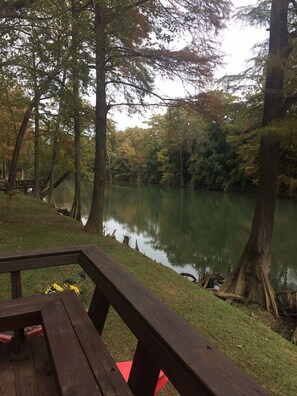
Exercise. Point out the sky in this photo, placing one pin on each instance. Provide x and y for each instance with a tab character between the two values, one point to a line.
237	42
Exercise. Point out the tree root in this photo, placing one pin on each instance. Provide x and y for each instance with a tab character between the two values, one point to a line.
291	300
211	281
294	337
250	280
228	296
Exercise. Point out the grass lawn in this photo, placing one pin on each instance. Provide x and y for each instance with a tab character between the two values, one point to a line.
27	223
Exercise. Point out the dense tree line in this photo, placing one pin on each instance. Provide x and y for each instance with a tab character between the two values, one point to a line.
187	148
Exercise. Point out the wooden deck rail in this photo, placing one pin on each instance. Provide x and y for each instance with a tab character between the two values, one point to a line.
22	185
165	341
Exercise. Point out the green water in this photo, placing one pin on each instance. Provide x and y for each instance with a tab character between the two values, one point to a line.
194	231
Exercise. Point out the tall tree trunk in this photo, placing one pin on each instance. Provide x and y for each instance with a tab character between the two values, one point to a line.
51	175
76	206
21	133
181	165
18	144
250	278
46	191
95	221
4	168
36	151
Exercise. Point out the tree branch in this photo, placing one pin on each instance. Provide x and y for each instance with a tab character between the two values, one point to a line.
164	104
135	4
137	87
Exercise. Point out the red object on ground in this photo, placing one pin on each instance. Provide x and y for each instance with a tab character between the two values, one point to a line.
5	338
30	332
125	368
34	332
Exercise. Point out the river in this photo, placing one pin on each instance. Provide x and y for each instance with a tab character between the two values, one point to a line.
193	231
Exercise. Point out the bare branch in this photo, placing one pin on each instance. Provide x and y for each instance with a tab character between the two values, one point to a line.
137	87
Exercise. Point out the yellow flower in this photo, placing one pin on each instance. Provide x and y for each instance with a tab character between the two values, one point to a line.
57	287
75	289
53	288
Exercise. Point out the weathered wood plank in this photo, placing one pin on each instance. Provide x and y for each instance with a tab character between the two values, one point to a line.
22	312
102	364
25	378
72	370
47	385
7	380
192	363
41	258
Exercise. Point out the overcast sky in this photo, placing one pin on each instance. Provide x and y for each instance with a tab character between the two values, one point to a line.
237	42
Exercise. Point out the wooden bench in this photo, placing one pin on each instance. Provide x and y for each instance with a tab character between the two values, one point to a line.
83	365
81	362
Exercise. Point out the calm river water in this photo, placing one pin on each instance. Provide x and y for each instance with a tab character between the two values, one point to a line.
193	231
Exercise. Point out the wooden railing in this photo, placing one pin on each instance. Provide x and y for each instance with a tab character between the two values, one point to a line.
22	185
165	341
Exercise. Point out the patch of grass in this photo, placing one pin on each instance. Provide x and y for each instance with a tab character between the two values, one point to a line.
27	224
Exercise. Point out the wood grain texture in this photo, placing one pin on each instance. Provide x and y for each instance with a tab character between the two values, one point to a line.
98	310
47	385
22	312
41	258
7	379
144	373
25	377
104	368
70	364
191	362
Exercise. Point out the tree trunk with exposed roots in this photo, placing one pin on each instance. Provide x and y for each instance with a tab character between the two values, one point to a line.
250	278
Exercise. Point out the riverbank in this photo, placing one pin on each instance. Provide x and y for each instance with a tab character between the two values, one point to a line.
26	224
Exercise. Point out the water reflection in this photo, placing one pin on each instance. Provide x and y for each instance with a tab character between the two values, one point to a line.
194	231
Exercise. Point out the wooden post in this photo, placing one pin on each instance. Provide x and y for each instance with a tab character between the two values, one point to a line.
98	310
144	373
16	292
16	284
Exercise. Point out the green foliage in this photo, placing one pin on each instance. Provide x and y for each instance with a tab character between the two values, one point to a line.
185	147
